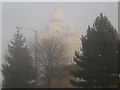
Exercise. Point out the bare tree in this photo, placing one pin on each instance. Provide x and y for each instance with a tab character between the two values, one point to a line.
52	54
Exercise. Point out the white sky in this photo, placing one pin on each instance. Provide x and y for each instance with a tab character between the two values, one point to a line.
36	15
60	0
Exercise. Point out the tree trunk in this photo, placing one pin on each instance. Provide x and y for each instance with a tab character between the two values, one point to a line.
49	83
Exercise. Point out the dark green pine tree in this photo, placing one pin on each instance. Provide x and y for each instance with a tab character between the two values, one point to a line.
119	59
18	71
98	63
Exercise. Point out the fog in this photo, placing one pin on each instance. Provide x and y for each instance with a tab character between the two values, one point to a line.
37	15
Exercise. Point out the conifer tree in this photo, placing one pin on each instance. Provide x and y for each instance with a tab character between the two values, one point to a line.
98	63
18	71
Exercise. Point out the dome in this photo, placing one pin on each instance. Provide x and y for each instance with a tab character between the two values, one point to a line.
57	16
70	27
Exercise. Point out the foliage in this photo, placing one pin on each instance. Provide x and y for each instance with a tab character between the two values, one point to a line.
99	58
18	71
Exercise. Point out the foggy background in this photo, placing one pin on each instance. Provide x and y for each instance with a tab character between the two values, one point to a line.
37	15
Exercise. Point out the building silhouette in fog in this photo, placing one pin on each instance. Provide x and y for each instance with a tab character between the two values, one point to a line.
58	27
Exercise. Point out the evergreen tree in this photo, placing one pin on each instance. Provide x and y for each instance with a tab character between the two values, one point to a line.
18	72
119	59
98	63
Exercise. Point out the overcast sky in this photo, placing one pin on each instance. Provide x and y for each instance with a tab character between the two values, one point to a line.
37	15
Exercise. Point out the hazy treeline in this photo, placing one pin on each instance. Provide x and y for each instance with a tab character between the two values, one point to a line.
35	65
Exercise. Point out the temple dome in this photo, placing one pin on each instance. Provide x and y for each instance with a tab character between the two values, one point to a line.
57	16
70	27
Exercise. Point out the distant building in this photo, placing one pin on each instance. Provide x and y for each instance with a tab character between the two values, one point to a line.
66	31
57	27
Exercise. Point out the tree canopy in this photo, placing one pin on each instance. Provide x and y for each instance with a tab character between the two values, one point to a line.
98	63
18	71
